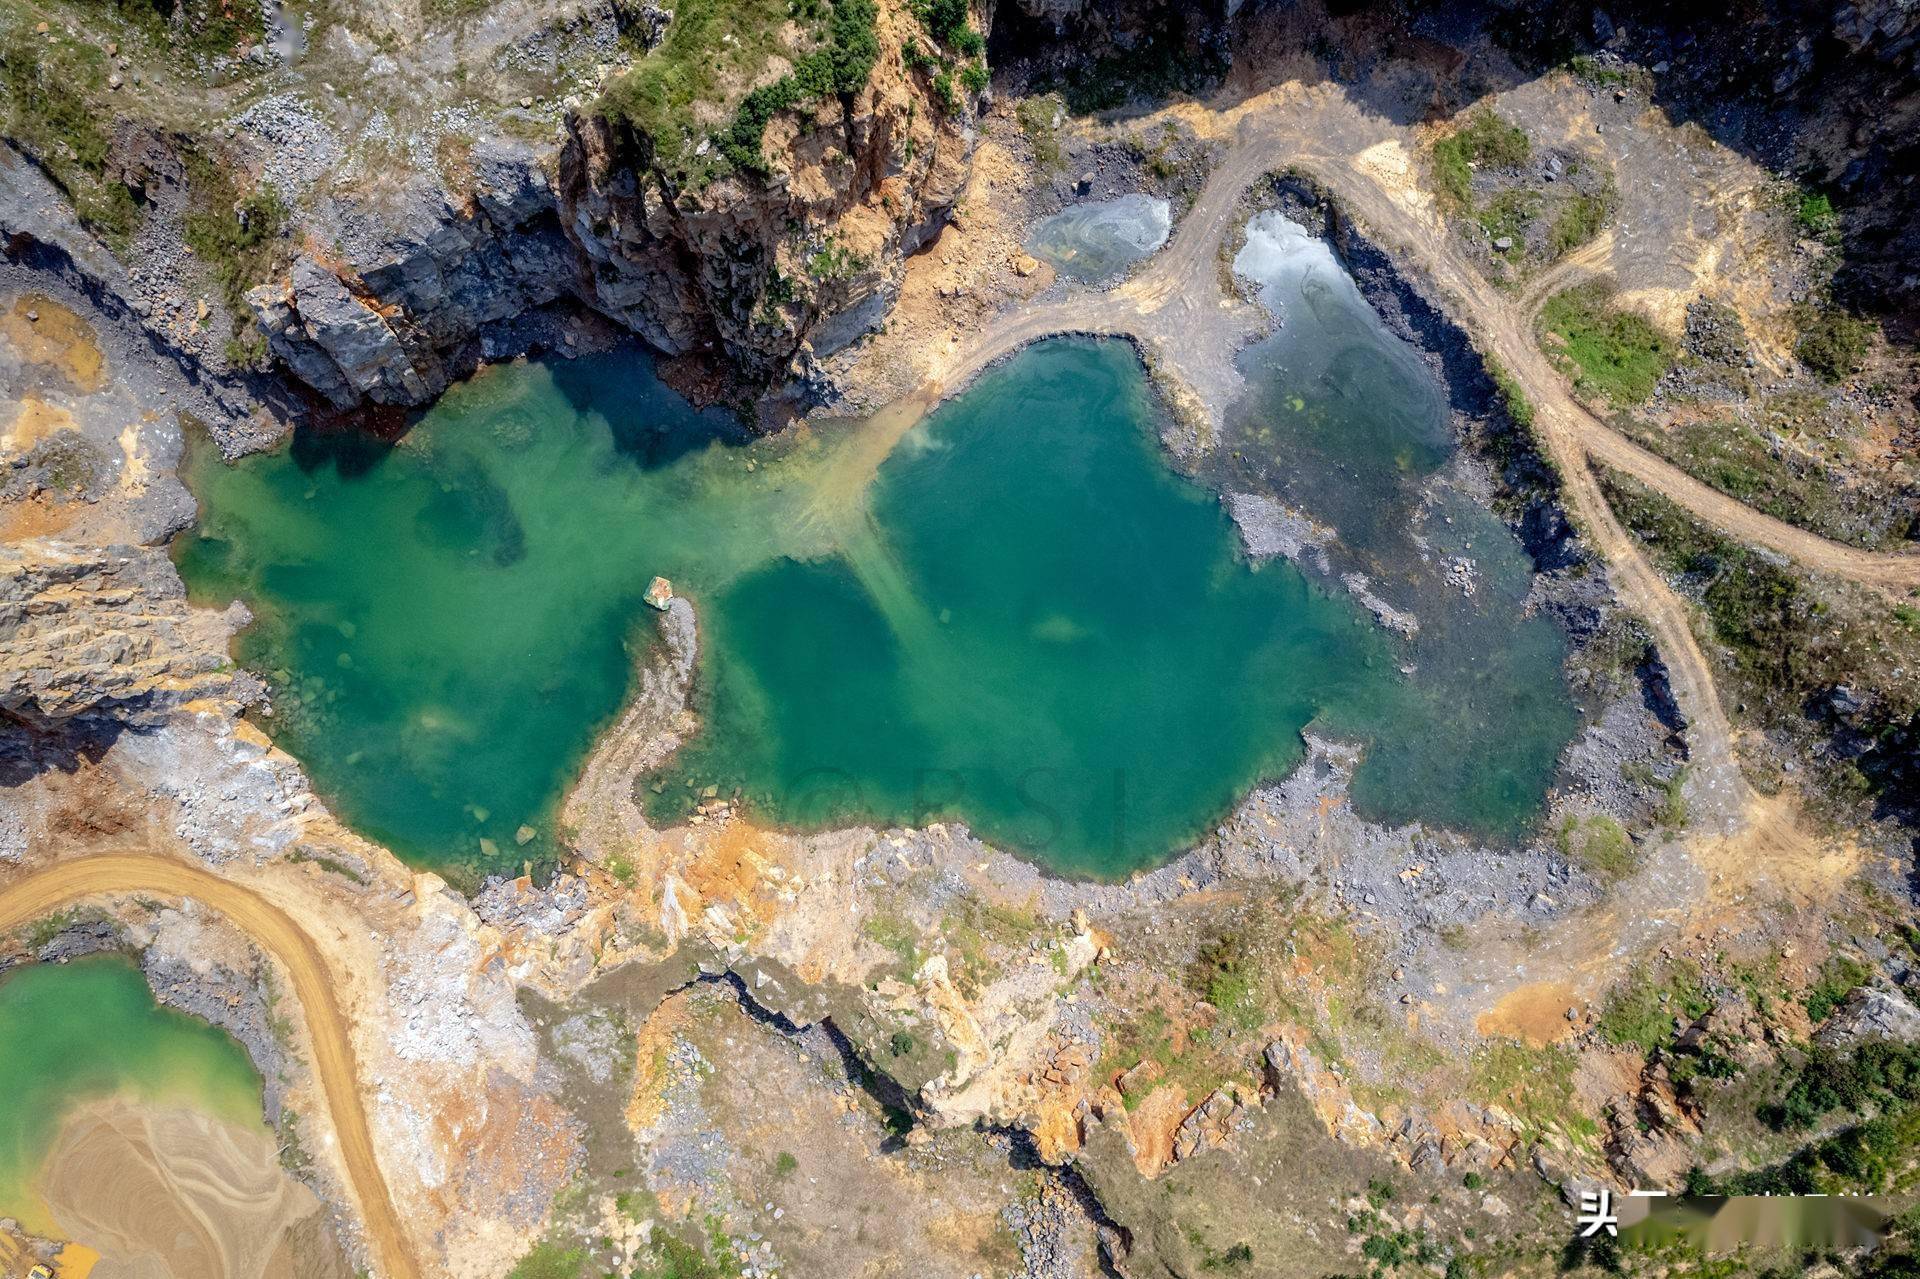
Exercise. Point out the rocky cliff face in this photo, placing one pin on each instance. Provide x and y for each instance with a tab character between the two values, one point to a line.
768	270
420	272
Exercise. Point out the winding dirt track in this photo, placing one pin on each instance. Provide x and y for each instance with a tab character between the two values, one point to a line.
334	1063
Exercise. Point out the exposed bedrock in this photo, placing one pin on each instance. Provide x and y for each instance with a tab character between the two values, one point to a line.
767	271
106	632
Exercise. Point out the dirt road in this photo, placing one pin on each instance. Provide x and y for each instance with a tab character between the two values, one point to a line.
334	1063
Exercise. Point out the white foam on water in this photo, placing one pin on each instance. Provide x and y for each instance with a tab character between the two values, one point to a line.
1100	237
1280	254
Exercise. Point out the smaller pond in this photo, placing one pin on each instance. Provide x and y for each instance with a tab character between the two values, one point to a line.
1097	240
78	1032
1344	422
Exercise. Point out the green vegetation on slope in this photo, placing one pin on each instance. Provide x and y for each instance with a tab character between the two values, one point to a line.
239	241
1615	353
1581	218
1163	63
1640	1011
56	103
1599	845
550	1261
712	50
841	67
200	29
1877	1086
1784	482
1789	639
45	108
1832	343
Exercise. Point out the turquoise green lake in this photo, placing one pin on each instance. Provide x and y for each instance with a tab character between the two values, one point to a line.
1017	616
82	1031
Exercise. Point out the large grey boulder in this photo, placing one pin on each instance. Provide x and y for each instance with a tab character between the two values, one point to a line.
1871	1012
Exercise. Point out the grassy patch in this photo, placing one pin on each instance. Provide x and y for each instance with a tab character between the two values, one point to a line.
1038	117
1589	70
238	239
1814	214
1599	845
1746	463
897	935
1832	343
1536	1084
330	864
669	1257
1787	639
1512	397
46	106
1581	218
712	50
202	30
1616	354
1484	141
1839	977
1149	1036
1509	214
975	930
47	927
1640	1011
550	1261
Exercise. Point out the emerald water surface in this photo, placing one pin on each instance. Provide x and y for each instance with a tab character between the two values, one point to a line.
1016	615
78	1032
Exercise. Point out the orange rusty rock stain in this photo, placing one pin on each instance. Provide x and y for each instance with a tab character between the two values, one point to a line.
1535	1014
58	339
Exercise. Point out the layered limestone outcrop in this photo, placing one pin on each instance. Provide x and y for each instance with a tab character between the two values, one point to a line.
768	270
104	630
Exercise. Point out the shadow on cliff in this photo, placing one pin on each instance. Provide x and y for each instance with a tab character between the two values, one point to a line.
652	424
28	750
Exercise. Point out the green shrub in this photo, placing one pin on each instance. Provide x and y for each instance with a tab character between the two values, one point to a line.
1814	213
1591	71
658	96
